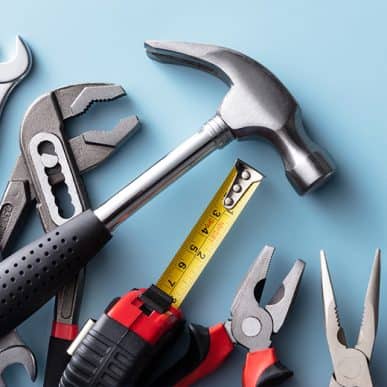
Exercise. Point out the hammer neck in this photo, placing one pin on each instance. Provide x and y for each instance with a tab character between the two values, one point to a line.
213	134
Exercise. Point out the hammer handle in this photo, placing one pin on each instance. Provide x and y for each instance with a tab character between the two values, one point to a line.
32	275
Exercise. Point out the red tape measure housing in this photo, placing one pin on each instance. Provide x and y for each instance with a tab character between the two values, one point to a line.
128	311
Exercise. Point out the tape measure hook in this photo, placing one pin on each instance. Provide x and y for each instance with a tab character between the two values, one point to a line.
246	176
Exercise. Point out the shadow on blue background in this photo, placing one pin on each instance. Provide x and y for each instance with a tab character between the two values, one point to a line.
331	55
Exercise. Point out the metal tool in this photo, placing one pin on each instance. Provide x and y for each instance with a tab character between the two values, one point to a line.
351	366
14	71
87	233
209	232
47	152
257	105
146	318
12	349
250	326
87	150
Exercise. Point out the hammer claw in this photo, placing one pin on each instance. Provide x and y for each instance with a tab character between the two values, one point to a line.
200	56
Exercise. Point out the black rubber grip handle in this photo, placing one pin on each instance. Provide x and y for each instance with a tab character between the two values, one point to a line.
57	362
110	355
32	275
197	351
275	374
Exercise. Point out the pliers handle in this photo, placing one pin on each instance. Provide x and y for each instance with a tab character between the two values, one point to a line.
207	351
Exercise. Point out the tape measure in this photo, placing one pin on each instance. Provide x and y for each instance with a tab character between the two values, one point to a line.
209	232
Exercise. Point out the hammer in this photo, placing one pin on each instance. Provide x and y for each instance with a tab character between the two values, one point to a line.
257	104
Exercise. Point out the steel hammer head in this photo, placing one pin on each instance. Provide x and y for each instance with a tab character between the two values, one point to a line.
257	104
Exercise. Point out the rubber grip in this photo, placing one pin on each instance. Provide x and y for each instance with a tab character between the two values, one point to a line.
57	361
32	275
110	355
207	350
262	369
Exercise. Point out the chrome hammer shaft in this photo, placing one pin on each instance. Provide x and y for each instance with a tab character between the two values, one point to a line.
214	134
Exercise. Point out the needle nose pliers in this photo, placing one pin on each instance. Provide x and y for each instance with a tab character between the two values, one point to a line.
351	365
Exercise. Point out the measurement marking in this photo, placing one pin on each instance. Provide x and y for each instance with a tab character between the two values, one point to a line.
203	240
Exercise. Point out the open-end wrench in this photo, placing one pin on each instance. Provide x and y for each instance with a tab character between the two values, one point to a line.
88	150
12	351
13	71
257	105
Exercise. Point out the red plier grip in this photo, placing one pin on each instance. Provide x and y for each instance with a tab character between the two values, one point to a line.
209	348
62	335
263	369
220	346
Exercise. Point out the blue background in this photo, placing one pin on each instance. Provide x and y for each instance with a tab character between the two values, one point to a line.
331	55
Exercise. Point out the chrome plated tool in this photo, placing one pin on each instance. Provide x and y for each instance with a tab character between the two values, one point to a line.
14	71
257	105
351	366
12	348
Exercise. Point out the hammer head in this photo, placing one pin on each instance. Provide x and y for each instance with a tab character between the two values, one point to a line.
257	104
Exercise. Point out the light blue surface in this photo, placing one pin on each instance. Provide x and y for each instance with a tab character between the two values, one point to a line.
331	55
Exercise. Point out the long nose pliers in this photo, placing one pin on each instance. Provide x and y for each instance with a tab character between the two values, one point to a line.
351	366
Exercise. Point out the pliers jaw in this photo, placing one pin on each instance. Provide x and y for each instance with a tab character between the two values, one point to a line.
50	110
251	324
351	365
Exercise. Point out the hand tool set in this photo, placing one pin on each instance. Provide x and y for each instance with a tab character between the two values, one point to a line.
135	332
147	317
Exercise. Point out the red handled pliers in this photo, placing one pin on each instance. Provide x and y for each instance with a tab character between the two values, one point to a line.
250	326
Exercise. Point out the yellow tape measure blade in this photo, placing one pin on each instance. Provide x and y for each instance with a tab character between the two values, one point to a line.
209	231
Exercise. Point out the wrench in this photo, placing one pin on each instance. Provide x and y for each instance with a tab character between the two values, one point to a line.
12	349
14	71
88	150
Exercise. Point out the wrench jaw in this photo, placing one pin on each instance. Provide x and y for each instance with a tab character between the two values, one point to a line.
13	351
14	71
19	66
24	357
